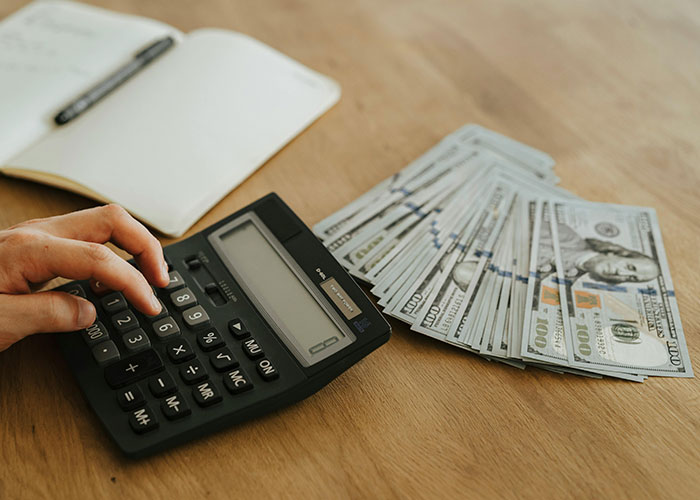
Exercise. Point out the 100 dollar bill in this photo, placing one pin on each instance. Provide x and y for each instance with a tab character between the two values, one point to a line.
618	302
543	328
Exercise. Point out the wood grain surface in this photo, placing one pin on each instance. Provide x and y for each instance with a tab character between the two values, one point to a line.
609	88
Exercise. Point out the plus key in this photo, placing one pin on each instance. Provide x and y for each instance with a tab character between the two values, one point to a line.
132	369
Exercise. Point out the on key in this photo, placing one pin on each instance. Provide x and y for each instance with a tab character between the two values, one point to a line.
132	369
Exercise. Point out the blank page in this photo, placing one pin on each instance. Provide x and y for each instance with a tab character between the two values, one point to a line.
172	141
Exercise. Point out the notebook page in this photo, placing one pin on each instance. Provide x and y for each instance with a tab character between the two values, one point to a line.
173	140
53	51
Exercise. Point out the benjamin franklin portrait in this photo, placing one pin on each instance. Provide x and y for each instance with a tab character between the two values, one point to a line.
603	261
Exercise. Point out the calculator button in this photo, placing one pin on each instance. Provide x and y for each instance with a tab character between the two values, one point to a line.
237	381
143	420
206	394
95	333
182	299
105	352
209	339
223	359
266	370
163	312
136	340
237	329
252	349
130	397
134	368
75	289
196	317
174	407
193	372
161	385
125	321
179	350
166	328
176	281
113	303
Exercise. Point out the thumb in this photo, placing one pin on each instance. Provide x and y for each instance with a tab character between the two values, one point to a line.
43	312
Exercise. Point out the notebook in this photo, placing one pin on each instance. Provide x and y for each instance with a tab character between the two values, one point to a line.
170	142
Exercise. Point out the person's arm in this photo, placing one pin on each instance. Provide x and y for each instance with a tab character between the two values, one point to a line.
71	246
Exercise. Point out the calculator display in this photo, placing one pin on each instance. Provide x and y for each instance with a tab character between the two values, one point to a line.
306	327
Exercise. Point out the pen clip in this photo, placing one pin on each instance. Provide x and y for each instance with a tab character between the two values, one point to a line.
155	48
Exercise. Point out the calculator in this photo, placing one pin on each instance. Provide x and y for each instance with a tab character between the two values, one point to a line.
257	315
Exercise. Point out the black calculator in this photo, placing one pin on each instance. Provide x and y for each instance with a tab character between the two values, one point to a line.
257	315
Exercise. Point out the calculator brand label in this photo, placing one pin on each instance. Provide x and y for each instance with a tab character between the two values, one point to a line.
341	299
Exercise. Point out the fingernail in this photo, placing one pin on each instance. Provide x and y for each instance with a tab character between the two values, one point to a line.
156	303
86	314
165	271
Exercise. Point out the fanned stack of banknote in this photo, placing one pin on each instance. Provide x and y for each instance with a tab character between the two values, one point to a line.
473	244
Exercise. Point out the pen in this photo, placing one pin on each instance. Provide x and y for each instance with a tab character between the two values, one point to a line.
113	81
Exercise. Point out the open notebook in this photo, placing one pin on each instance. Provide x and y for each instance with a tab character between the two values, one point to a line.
170	142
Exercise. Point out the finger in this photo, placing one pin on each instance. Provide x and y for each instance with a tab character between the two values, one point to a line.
45	257
42	312
112	223
98	288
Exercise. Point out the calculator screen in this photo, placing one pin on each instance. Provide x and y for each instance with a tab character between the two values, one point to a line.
271	281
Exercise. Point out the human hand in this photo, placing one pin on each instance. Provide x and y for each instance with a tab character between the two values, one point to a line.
70	246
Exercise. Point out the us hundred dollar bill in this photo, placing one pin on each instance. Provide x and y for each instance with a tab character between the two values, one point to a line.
422	259
343	225
462	273
447	148
406	306
368	255
499	305
466	308
543	327
618	302
523	244
448	203
352	238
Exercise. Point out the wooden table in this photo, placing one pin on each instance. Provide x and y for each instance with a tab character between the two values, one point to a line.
609	89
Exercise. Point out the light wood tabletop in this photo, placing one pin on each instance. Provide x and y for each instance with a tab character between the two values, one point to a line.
609	89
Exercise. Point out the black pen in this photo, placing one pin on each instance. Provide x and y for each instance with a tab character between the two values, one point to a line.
113	81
